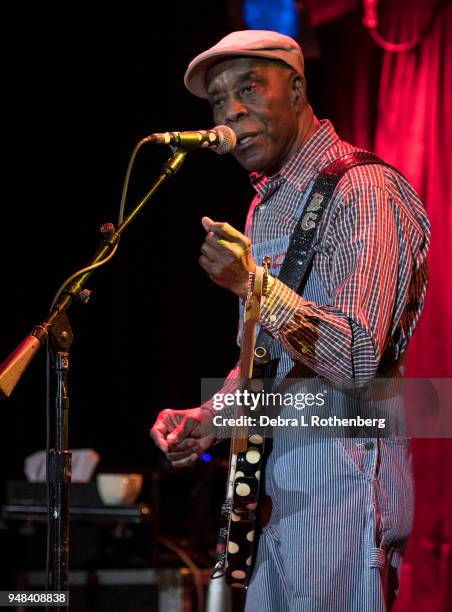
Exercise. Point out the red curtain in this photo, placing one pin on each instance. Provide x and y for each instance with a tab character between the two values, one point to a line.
322	11
414	131
399	105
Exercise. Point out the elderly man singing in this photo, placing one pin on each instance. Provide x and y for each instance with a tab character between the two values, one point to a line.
341	506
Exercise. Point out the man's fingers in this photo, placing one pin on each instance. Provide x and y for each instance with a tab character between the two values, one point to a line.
170	428
187	443
166	422
207	222
158	434
185	462
178	455
187	426
211	253
211	267
176	435
205	263
223	230
222	251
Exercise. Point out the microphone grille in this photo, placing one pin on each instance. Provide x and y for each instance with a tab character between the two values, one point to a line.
227	139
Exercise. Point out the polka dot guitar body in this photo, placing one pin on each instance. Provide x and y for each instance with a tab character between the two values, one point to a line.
237	536
240	513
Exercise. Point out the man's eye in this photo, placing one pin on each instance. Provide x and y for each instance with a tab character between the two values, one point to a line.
249	89
217	103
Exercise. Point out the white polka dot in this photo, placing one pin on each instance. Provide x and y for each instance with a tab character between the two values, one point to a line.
239	474
242	489
253	455
249	561
235	517
258	475
256	439
233	547
239	574
250	536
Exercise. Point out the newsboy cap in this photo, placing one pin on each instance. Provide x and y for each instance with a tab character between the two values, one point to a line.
243	43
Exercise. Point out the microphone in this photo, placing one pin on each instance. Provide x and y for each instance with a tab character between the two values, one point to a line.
220	139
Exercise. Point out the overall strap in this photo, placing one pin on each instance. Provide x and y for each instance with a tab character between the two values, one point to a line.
300	250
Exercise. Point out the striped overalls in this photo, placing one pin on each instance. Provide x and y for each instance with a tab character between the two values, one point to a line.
341	508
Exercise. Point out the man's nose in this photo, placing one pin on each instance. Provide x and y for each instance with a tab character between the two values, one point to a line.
235	110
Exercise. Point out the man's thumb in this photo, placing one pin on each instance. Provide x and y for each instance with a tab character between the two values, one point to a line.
177	434
207	222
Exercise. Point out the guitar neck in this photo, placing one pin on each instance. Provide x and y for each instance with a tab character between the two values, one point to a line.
251	318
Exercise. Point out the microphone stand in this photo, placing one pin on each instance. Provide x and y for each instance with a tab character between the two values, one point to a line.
11	370
59	459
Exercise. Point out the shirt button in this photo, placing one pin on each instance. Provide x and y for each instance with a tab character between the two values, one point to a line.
272	318
369	445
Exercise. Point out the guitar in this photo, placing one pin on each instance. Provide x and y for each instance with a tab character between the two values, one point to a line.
236	539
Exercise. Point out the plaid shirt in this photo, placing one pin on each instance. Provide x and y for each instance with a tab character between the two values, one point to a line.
371	247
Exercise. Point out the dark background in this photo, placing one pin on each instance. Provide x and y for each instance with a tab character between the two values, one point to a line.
79	90
80	93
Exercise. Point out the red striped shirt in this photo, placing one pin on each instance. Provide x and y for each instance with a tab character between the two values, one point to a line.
371	248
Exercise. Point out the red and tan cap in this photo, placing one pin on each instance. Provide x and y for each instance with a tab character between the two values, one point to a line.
245	43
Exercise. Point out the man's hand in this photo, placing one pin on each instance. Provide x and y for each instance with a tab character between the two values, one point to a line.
182	434
226	256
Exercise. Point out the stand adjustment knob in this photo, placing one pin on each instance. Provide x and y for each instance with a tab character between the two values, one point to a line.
84	296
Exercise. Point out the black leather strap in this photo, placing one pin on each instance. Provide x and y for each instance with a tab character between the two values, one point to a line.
300	251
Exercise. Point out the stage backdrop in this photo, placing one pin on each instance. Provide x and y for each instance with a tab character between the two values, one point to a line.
399	105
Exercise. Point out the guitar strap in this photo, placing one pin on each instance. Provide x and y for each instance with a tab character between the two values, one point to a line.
300	251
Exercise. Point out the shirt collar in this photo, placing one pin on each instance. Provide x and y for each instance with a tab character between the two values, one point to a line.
299	168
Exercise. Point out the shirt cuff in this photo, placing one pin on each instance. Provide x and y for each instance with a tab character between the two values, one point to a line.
279	306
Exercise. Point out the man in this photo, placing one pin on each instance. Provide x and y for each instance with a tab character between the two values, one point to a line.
341	507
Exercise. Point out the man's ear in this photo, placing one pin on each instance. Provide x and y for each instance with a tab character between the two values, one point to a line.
297	90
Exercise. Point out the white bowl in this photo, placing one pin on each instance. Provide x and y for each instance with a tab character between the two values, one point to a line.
119	489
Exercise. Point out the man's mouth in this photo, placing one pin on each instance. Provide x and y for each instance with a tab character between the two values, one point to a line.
245	139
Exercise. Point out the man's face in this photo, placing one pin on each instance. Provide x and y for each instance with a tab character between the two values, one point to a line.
258	100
